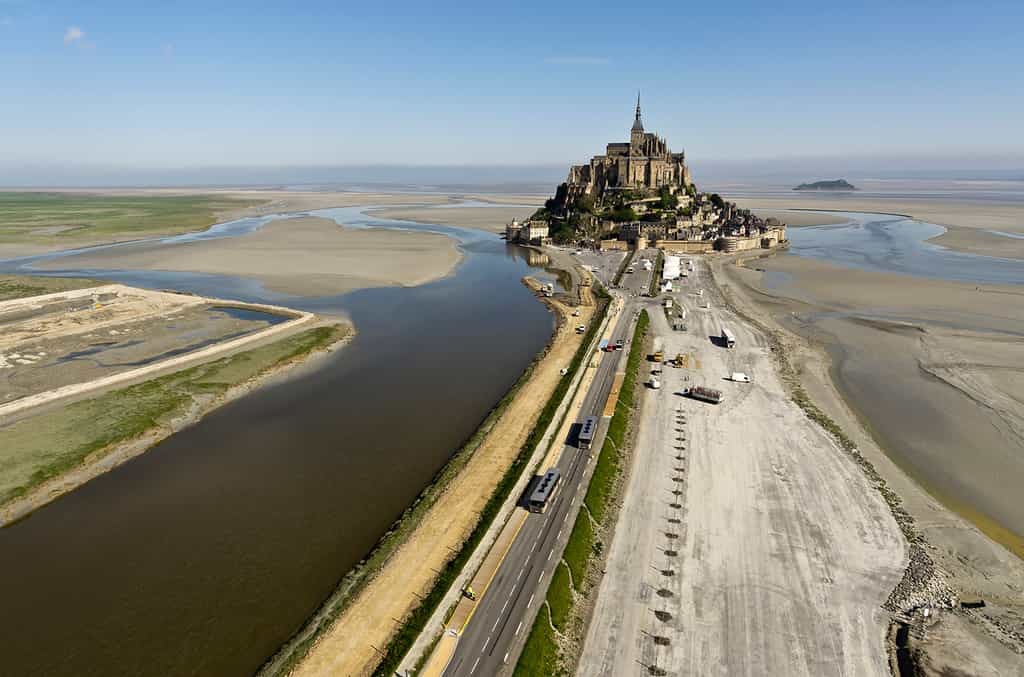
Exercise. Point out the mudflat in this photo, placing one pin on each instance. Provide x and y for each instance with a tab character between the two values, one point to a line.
491	219
925	376
302	256
972	226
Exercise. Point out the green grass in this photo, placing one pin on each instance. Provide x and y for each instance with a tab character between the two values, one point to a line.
19	286
44	446
69	218
579	547
659	265
560	596
540	654
414	623
607	467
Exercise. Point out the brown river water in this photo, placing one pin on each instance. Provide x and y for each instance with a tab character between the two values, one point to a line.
204	555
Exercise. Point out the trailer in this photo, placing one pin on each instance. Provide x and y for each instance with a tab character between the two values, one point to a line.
705	394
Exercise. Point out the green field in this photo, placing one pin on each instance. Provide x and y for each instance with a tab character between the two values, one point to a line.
18	286
75	218
41	447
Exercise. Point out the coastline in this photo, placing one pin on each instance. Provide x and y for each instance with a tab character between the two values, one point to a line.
953	556
111	456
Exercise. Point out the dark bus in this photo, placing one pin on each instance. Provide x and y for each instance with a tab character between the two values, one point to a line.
544	491
587	431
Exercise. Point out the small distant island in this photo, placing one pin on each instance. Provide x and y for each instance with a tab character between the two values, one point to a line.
838	184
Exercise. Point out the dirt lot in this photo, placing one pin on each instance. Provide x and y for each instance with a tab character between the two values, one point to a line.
748	543
348	648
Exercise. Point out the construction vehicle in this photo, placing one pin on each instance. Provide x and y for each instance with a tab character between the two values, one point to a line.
655	383
468	592
679	359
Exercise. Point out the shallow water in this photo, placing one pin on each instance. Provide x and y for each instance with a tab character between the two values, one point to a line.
205	554
894	244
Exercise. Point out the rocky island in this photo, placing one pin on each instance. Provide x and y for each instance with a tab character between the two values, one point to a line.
640	192
836	184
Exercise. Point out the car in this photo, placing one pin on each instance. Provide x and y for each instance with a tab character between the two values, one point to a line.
581	328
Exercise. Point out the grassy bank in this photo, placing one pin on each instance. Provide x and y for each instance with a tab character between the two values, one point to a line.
413	625
292	653
659	265
540	657
69	218
44	446
19	286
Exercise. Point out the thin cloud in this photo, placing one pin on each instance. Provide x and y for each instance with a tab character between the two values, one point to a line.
168	50
578	60
73	34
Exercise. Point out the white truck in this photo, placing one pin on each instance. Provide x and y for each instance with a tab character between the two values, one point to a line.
740	377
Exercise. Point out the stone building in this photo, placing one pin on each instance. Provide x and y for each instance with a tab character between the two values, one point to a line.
531	232
644	162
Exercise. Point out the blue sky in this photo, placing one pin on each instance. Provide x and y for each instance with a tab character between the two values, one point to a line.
207	84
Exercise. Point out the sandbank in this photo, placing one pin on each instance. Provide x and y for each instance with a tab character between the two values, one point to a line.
972	225
302	256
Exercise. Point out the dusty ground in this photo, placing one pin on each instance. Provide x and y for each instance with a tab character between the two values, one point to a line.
348	647
968	222
302	256
971	563
749	543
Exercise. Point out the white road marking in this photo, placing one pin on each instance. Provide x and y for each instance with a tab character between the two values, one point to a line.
520	627
549	554
495	626
473	669
530	603
559	534
505	660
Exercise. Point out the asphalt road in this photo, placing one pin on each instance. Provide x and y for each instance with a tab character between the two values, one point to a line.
494	637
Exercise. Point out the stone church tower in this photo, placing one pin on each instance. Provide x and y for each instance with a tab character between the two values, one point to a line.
636	135
645	163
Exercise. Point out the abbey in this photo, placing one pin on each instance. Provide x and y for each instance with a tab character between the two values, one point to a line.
644	162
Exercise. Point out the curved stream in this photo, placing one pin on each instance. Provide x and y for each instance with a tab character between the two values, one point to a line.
205	554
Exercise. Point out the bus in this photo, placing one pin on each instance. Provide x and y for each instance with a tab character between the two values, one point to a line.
545	490
727	338
588	429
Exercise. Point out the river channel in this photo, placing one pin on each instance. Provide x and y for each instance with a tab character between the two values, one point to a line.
203	555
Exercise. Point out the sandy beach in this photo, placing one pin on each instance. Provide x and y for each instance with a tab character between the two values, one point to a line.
972	226
924	375
303	256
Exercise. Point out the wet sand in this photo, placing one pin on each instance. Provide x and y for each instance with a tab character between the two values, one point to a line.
302	256
970	224
930	372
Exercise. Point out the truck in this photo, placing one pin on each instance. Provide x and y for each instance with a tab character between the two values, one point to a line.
702	393
740	377
658	349
727	338
655	383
